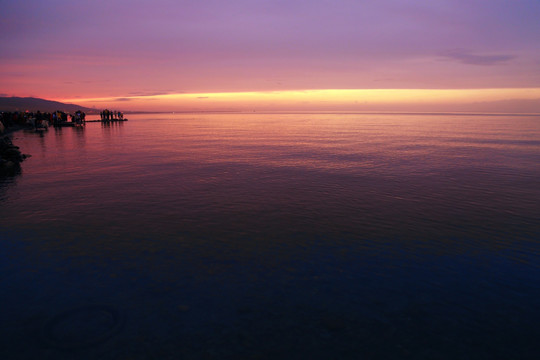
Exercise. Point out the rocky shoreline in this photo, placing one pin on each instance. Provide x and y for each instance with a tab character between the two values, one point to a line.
10	156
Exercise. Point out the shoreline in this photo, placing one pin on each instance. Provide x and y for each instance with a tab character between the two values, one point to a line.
10	154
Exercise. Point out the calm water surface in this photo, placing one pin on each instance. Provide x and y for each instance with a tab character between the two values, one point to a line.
274	236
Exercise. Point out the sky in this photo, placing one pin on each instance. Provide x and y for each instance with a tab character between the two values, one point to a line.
175	55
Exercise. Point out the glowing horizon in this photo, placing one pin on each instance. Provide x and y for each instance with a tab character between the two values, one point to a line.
319	99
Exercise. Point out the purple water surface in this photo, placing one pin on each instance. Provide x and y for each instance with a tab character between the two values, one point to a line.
274	236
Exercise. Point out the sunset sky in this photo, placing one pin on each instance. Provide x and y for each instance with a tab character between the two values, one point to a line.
388	55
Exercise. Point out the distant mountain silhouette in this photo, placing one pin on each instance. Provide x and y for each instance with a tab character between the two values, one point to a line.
35	104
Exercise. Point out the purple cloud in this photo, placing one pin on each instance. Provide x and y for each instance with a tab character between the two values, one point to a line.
467	57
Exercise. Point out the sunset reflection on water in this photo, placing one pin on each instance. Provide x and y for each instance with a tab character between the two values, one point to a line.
281	234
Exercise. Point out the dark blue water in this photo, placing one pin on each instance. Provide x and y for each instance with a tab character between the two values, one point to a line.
274	236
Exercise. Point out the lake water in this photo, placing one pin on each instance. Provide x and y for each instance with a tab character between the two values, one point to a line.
274	236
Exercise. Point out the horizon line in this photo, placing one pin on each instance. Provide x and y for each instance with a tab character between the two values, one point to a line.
294	91
342	112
